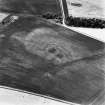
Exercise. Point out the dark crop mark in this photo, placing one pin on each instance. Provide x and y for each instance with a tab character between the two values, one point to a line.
76	4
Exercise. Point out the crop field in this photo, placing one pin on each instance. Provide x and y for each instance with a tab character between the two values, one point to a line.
44	58
36	7
87	8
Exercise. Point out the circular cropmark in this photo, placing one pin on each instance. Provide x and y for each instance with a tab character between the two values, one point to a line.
44	42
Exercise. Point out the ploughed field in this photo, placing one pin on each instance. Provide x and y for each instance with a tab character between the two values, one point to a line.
41	57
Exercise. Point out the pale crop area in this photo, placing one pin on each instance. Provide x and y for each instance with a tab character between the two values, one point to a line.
87	8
